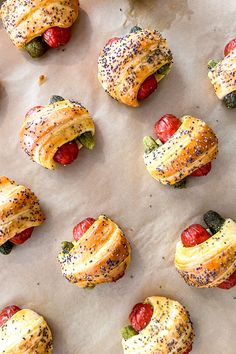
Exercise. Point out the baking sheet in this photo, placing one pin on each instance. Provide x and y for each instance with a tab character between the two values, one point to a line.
112	179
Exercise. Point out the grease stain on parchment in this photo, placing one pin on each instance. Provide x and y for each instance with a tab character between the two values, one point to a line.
156	13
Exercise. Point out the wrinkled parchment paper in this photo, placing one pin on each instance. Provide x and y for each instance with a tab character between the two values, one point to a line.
112	179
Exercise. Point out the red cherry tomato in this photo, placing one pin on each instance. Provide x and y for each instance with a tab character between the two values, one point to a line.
166	126
194	235
112	40
147	88
56	36
188	350
67	153
20	238
82	227
32	110
202	171
229	283
230	46
7	313
140	316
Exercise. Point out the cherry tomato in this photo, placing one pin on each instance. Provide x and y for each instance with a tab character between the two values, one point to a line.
147	88
66	153
194	235
82	227
166	126
230	46
229	283
140	316
20	238
7	313
56	36
202	171
33	109
188	350
112	40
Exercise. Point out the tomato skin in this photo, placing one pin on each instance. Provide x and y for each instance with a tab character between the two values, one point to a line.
66	153
147	87
57	36
7	313
166	126
230	46
202	171
112	40
194	235
82	227
228	283
23	236
140	316
33	109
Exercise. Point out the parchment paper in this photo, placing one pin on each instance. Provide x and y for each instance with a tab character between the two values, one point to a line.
112	179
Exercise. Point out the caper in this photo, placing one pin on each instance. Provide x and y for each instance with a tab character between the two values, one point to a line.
36	48
56	98
181	184
6	247
87	140
135	29
230	100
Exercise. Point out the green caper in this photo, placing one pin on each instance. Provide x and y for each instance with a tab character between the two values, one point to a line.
230	100
56	98
213	220
163	70
66	246
128	332
87	140
212	63
149	144
36	48
135	29
181	184
6	248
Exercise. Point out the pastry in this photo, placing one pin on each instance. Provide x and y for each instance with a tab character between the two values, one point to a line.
55	133
100	253
24	332
36	25
184	147
222	75
130	67
158	326
207	258
20	212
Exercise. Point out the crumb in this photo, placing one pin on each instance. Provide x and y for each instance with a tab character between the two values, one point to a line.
63	49
160	287
163	258
150	195
42	79
197	107
38	283
131	276
121	10
150	206
217	120
131	229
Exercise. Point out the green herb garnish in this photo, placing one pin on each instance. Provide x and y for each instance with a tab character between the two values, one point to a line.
128	332
212	63
66	246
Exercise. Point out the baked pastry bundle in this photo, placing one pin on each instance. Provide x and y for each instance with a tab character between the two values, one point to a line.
24	332
158	325
129	67
20	212
56	132
222	75
184	147
100	253
37	25
207	258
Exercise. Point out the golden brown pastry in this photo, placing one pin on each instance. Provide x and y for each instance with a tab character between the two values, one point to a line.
99	254
24	332
222	75
210	259
158	326
20	212
130	67
56	132
191	147
26	20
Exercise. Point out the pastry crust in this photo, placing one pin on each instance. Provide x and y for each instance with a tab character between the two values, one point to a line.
47	128
193	145
101	255
25	20
170	330
124	65
222	76
210	263
25	332
19	209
